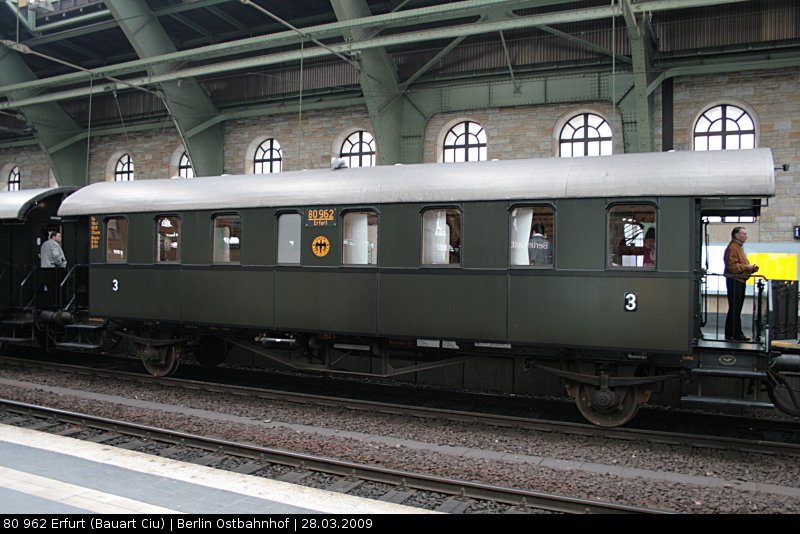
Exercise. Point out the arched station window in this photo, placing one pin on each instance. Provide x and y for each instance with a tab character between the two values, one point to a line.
268	157
359	150
466	141
123	170
585	134
185	169
724	127
13	179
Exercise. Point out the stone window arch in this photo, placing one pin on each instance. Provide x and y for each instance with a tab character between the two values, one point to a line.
123	168
724	126
464	141
14	179
585	133
268	157
358	149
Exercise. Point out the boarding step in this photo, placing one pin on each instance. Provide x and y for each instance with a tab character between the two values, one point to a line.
16	339
729	373
77	346
16	322
722	401
16	330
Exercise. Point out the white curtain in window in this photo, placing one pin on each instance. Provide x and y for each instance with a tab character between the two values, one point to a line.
521	219
373	244
356	239
222	243
436	238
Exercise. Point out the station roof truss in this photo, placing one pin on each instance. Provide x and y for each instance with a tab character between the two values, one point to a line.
240	58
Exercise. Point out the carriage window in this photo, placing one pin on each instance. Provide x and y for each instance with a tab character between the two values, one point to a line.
632	236
360	243
227	238
117	240
169	239
532	236
289	238
441	237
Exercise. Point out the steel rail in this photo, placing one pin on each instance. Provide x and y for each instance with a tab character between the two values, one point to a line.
417	481
571	428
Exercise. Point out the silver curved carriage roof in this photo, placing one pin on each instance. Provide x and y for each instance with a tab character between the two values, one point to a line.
15	204
743	173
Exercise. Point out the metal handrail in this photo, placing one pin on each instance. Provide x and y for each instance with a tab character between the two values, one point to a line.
25	280
30	304
64	281
67	276
758	325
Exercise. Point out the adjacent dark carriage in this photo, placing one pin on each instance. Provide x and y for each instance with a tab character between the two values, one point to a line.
442	260
26	217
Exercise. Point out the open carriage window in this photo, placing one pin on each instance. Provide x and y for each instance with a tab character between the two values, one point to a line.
532	236
168	248
227	238
117	240
360	238
632	236
441	237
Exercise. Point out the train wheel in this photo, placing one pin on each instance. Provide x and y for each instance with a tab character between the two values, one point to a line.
784	392
160	361
607	407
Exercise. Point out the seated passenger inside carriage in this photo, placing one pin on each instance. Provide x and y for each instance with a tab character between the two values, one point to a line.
632	236
647	251
540	249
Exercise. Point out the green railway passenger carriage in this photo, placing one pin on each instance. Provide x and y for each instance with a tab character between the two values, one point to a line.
541	260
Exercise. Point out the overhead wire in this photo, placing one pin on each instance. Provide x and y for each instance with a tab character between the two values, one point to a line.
89	131
275	17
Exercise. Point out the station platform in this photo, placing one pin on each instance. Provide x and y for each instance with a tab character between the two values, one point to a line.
43	473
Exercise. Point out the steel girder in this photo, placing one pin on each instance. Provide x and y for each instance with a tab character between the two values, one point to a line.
638	127
54	128
379	84
323	31
413	128
185	99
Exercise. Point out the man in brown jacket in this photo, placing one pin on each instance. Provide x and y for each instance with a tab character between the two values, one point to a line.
737	271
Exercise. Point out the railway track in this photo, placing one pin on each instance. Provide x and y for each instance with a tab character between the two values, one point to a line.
768	437
348	475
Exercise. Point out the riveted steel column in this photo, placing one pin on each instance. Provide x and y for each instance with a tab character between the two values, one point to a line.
54	128
379	83
640	135
187	102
